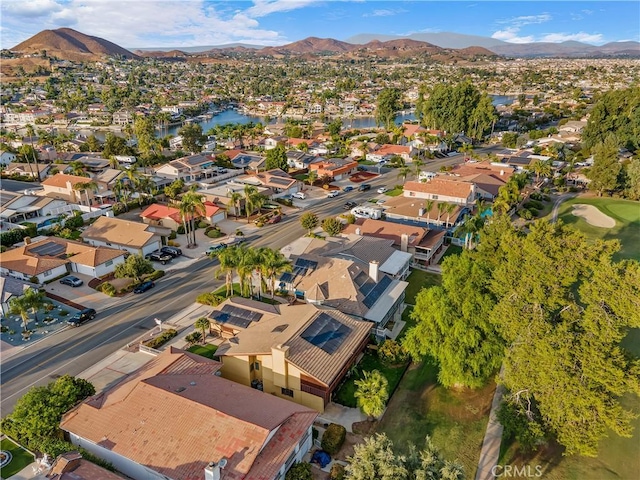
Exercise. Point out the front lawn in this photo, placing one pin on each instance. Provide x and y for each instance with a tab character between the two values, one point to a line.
370	361
207	350
456	420
20	458
419	279
451	250
222	291
394	192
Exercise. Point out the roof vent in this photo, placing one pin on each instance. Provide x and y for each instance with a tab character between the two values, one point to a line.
193	384
180	389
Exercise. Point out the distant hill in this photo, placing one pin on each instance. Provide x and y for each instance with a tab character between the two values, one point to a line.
68	44
538	49
311	45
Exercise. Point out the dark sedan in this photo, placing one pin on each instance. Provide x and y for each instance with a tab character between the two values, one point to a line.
144	286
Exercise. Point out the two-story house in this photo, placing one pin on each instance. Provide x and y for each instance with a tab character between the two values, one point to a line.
442	189
334	168
188	169
71	188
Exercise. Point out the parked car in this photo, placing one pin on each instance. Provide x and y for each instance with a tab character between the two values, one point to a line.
275	219
215	249
348	188
236	241
350	205
364	187
81	317
144	286
159	256
382	189
333	193
71	281
299	195
173	251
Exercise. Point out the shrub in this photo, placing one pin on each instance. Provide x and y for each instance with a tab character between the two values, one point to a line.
300	471
180	229
171	243
333	438
202	224
108	289
210	299
260	224
13	236
193	338
546	198
173	235
526	214
161	339
64	313
214	233
155	275
74	222
392	352
534	212
337	472
332	226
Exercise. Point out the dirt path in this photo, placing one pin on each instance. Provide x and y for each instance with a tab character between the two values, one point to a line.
556	205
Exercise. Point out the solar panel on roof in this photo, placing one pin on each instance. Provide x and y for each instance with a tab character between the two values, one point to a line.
48	248
222	317
249	315
280	181
287	277
375	293
367	286
327	333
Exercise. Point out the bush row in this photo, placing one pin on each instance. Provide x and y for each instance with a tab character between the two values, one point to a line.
161	339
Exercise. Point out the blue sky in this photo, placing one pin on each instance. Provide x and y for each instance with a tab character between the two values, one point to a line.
183	23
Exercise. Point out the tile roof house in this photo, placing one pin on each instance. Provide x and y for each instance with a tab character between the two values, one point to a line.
166	216
189	169
49	257
134	237
386	151
16	207
71	466
27	169
350	283
65	187
299	352
413	210
176	418
278	181
443	190
334	168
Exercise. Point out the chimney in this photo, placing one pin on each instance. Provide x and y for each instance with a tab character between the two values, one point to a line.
404	242
421	212
501	173
373	270
213	471
27	240
358	231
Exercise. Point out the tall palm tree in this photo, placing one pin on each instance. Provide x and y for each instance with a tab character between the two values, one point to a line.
470	226
417	164
85	187
31	300
250	193
541	168
449	208
248	261
191	207
228	259
31	133
78	169
273	265
467	149
403	172
235	198
441	209
203	324
428	206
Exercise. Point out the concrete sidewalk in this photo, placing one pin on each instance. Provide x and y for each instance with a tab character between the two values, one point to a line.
490	453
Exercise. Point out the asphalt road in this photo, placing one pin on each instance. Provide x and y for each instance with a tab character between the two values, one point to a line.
74	350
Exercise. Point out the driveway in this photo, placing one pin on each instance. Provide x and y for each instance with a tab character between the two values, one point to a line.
83	295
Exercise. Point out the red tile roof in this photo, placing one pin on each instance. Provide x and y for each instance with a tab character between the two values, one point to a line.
440	186
60	180
158	212
175	415
393	150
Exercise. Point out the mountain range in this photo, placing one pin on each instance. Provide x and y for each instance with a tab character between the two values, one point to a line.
69	44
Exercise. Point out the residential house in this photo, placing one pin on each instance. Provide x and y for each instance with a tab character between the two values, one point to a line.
134	237
248	161
387	151
11	287
106	182
7	157
360	149
69	188
272	142
487	177
226	431
32	170
122	117
411	210
334	168
299	160
49	257
353	285
189	169
18	207
297	352
443	190
278	181
221	195
71	466
165	216
422	244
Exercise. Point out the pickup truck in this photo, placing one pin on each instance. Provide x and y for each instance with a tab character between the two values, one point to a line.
159	256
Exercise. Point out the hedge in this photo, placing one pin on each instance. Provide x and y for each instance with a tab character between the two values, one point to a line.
210	299
333	438
13	236
161	339
155	275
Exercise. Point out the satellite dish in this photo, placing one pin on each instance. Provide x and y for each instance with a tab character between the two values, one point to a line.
222	463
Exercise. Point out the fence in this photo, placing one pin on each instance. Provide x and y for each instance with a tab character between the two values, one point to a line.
151	351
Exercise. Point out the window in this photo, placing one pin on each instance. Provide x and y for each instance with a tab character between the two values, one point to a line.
286	391
108	263
47	273
435	197
256	365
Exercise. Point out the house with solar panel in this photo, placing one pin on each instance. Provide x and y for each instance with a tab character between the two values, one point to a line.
279	181
298	352
360	276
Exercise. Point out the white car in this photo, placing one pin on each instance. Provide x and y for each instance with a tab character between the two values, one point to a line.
333	194
382	189
299	195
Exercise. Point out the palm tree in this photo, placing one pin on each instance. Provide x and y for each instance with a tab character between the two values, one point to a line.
541	168
312	177
449	208
85	187
467	149
470	226
273	265
403	172
78	168
191	207
371	393
441	209
32	300
417	164
203	324
235	198
31	133
250	193
247	263
228	259
428	206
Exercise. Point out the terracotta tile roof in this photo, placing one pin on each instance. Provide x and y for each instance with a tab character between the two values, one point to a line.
138	419
432	238
386	230
440	186
94	256
410	207
412	129
503	172
19	260
60	180
119	232
388	149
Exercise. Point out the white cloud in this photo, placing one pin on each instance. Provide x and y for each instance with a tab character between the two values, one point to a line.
523	20
31	8
385	12
262	8
511	35
578	37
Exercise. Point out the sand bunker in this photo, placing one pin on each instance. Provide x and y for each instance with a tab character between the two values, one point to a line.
593	216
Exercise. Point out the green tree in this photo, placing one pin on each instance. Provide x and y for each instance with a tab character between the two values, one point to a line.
372	393
509	139
78	168
144	130
462	304
174	189
606	168
191	208
192	137
135	266
202	324
234	199
387	106
300	471
632	171
229	260
30	301
277	158
312	177
273	265
334	128
309	221
332	226
541	168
